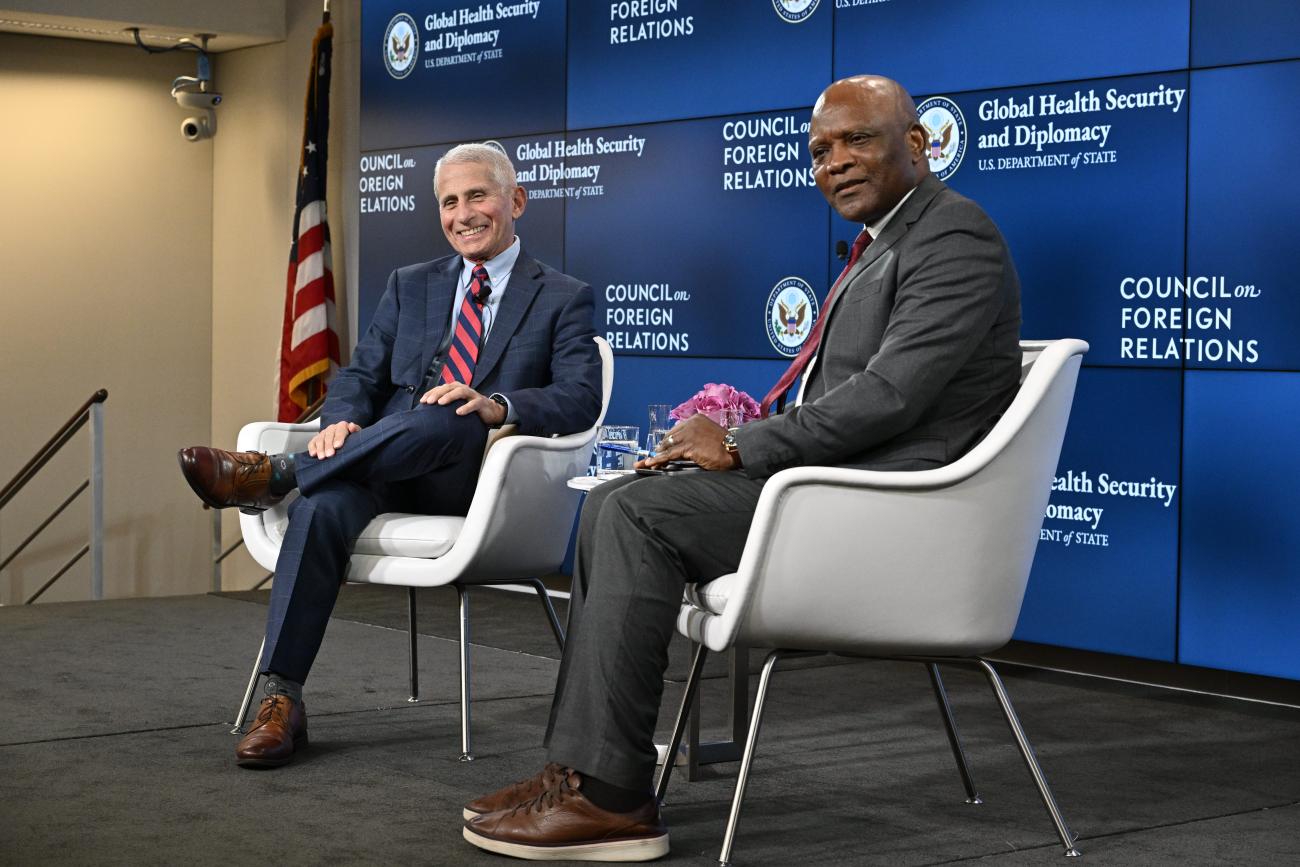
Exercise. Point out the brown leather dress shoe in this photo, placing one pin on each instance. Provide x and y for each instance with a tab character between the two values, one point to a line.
516	793
279	730
562	825
223	479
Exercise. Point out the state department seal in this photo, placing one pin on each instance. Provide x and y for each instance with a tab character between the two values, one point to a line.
497	146
401	45
795	11
791	312
945	132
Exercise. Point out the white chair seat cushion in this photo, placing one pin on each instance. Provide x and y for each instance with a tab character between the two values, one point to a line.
397	534
392	534
712	596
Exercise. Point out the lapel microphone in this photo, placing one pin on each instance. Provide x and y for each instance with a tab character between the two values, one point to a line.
481	297
841	250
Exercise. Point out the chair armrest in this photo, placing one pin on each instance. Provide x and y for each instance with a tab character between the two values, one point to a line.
854	559
844	558
522	493
272	437
275	437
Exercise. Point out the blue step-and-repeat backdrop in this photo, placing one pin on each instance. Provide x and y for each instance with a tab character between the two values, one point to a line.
1139	155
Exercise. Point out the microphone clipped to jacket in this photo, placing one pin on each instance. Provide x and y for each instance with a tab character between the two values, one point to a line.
841	250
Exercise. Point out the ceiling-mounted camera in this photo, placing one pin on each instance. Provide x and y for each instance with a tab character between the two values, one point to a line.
193	99
199	127
203	125
192	91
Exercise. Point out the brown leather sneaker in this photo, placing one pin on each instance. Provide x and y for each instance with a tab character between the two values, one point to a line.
516	793
223	479
279	730
560	824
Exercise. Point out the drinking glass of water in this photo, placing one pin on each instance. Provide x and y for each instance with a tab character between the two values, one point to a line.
660	423
624	435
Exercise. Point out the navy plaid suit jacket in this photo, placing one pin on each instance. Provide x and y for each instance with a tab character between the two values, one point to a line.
539	353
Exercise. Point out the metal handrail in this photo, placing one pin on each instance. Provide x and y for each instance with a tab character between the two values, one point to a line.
91	411
47	451
218	554
13	555
57	575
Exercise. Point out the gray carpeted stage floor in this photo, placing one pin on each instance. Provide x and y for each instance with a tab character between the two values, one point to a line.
114	749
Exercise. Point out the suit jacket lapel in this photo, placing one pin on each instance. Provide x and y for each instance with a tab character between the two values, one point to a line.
440	292
523	287
896	228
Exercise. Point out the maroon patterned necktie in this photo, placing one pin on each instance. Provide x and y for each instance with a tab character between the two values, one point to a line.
809	348
462	355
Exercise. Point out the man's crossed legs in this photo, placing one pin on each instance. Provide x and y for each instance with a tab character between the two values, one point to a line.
422	460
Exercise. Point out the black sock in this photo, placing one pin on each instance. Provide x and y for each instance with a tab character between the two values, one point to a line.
607	796
283	477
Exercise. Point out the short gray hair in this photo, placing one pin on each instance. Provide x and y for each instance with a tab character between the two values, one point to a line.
499	167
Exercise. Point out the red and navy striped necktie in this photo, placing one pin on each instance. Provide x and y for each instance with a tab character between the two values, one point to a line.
809	349
462	355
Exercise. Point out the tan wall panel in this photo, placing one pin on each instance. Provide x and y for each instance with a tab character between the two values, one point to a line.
105	281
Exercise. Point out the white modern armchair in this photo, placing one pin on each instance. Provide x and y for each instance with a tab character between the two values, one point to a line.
517	529
925	566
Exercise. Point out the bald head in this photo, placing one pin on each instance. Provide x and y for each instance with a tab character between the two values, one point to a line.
882	91
867	147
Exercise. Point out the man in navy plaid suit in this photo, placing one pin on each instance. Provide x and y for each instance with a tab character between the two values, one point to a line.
482	338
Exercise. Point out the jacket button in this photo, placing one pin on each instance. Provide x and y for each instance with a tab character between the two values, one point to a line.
410	389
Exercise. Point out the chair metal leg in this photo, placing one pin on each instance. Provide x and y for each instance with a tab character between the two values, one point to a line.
242	713
683	714
556	628
724	859
713	752
954	741
415	656
465	754
1031	761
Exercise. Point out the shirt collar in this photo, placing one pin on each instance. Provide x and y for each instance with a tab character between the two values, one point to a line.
879	226
498	267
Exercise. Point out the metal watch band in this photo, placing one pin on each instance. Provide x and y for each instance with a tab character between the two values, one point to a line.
729	441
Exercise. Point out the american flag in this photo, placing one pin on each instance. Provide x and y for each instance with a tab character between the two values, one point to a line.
309	342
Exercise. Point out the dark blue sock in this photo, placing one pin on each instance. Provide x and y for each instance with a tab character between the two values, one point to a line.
283	476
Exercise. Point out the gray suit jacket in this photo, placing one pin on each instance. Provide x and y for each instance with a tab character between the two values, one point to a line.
920	353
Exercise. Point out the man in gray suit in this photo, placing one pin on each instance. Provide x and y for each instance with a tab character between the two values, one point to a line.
916	357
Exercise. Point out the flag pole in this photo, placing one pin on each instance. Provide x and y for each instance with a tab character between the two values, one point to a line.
309	346
314	384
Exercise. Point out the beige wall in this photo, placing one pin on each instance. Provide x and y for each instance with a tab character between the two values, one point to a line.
105	281
136	261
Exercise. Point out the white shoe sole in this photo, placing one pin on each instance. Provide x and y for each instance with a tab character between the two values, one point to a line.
468	814
644	849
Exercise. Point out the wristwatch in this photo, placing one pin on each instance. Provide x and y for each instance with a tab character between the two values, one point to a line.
500	400
729	441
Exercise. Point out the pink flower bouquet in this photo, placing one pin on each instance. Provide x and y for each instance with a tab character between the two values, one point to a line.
719	403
